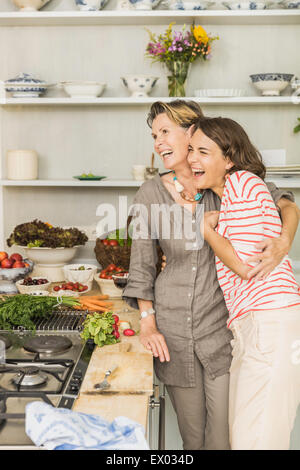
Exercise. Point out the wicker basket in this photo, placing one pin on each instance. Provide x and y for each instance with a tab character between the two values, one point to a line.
119	255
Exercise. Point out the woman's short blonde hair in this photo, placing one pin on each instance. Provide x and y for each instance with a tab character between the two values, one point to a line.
182	112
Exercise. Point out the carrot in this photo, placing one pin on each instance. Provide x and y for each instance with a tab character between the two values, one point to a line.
93	307
96	297
96	302
101	303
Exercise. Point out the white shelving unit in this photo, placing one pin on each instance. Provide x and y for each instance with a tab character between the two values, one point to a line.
113	101
155	17
74	18
281	182
107	183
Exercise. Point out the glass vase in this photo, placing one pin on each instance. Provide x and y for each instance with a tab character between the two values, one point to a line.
177	80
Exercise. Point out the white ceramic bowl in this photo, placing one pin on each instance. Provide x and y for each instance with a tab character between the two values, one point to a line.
219	92
82	89
30	5
29	289
189	4
107	287
271	84
50	256
138	84
246	5
66	293
40	293
86	276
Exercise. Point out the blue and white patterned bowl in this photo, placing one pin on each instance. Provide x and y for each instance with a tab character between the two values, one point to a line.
144	4
289	4
91	5
189	4
139	85
25	85
271	84
251	5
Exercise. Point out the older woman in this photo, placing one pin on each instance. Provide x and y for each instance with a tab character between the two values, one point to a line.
183	312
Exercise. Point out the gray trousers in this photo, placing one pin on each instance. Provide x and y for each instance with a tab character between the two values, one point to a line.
202	411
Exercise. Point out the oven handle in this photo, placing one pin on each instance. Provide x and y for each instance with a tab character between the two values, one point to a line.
158	401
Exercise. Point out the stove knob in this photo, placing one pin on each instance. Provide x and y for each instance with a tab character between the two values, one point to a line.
74	387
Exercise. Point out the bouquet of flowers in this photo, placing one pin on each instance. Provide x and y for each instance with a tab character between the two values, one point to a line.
177	50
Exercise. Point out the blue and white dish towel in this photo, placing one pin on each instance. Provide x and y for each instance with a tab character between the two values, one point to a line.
62	429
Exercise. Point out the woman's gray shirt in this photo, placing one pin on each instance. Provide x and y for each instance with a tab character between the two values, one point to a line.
189	303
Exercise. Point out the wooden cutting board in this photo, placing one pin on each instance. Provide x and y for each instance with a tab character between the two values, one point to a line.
134	374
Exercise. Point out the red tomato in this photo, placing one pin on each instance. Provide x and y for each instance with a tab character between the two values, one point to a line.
111	267
105	242
102	276
113	243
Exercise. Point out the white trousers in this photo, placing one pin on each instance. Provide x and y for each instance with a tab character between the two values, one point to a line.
264	388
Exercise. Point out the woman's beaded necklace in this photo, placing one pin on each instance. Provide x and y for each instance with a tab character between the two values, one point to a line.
180	189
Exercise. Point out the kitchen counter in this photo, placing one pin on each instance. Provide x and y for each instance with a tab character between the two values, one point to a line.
132	381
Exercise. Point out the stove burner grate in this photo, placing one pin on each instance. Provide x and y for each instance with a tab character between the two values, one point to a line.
29	377
47	344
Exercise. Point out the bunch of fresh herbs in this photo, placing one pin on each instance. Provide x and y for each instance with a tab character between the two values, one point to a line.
23	310
100	328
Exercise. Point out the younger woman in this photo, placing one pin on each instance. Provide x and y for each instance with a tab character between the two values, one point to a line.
264	315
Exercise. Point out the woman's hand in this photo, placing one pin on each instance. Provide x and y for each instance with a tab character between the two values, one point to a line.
153	340
163	263
273	252
210	221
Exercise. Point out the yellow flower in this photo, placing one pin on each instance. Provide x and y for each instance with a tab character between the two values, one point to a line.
200	34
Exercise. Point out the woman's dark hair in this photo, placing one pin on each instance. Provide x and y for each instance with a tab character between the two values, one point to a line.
182	112
234	143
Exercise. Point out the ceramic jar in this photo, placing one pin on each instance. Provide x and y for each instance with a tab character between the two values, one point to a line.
22	164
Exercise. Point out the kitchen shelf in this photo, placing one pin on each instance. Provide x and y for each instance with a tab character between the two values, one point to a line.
281	182
120	101
159	17
107	183
284	182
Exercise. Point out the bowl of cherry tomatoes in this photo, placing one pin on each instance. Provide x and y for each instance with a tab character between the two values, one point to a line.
105	280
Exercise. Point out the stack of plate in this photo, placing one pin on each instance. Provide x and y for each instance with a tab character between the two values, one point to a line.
219	93
284	170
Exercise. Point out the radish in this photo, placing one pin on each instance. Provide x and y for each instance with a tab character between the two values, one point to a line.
129	332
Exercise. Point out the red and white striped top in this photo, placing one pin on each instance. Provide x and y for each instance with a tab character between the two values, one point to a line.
247	216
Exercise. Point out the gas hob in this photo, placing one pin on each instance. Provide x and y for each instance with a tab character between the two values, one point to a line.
47	365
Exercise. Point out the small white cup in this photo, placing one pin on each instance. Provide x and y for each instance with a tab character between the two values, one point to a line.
138	172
